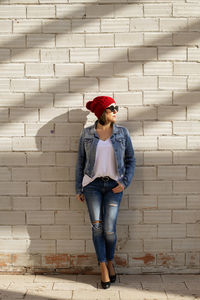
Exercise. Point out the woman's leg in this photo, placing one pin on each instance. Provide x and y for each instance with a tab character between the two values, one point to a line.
94	200
111	208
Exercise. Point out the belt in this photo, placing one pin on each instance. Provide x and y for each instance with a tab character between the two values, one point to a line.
105	178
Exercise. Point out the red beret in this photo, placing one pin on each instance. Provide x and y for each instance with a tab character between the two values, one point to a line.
99	104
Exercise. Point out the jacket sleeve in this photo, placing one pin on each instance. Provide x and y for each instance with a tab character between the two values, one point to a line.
129	161
80	164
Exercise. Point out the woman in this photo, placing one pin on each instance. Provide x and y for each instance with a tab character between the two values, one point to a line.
105	167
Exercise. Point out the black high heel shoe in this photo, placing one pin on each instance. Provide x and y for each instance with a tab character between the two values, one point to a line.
105	285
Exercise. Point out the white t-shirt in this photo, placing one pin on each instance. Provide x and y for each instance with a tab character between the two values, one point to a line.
105	164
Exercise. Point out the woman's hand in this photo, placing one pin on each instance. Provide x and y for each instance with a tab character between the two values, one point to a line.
80	197
119	188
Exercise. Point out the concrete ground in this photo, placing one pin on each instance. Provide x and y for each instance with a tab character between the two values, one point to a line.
80	287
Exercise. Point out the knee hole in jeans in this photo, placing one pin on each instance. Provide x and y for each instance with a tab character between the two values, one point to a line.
97	225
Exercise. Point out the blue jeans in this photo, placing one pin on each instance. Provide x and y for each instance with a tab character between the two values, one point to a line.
103	205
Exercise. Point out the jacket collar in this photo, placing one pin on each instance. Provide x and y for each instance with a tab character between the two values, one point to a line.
93	129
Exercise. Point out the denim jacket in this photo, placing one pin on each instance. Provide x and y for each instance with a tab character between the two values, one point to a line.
123	149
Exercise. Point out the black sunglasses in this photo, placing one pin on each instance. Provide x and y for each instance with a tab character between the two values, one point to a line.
113	108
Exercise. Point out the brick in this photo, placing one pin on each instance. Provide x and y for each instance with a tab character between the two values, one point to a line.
98	69
172	201
54	232
54	55
5	203
69	40
26	203
145	143
40	217
157	97
127	68
8	159
143	231
99	40
54	85
186	10
5	174
5	26
193	172
157	245
186	98
115	25
157	187
186	68
43	69
41	188
155	216
25	55
144	24
48	114
66	159
193	113
39	130
172	82
24	231
142	53
157	128
54	203
42	246
12	218
142	113
68	130
79	25
110	84
69	217
188	38
188	244
36	40
146	82
171	231
23	174
128	10
12	70
128	39
26	144
191	186
186	157
128	98
66	188
129	217
132	246
97	11
5	232
41	158
193	142
68	99
113	54
57	26
157	10
142	202
41	11
193	230
22	85
173	24
23	114
4	84
145	173
25	26
172	142
78	232
171	172
181	127
158	68
157	39
38	100
172	53
171	112
193	201
193	54
83	55
70	246
54	173
14	246
82	84
157	157
12	11
4	115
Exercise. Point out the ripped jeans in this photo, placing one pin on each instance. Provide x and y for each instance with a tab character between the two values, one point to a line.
103	205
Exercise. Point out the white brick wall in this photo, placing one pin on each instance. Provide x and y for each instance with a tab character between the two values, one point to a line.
54	57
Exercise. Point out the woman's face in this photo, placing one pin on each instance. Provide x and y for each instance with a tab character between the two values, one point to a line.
111	116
